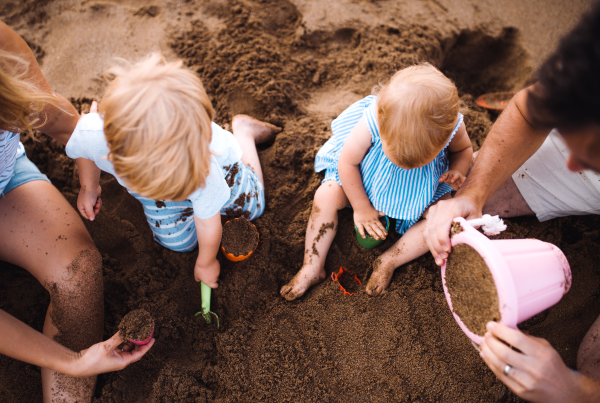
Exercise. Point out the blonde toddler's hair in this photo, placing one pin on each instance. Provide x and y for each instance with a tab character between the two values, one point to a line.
157	122
416	112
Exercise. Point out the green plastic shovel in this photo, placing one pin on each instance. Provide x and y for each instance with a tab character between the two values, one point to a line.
206	313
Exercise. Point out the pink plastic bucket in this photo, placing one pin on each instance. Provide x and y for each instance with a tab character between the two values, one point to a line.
530	275
143	342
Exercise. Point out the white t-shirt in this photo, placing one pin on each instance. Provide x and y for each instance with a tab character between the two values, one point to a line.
88	141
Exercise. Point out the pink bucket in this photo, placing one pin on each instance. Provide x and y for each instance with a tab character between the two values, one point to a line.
530	275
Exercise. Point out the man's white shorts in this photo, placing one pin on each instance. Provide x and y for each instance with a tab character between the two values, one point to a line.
550	189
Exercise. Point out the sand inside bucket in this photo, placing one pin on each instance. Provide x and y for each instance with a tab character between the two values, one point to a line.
136	325
472	289
239	237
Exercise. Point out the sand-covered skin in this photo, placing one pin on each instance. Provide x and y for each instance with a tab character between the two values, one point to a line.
296	65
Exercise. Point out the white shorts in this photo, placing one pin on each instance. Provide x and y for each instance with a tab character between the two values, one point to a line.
550	189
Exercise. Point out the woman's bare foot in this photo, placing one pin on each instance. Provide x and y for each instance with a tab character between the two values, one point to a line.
380	278
261	132
302	281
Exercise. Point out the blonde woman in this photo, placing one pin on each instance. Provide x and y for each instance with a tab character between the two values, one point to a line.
42	233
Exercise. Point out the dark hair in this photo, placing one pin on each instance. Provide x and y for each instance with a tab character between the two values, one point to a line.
568	92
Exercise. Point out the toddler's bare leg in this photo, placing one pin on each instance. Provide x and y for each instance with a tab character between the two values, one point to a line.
249	132
409	247
322	227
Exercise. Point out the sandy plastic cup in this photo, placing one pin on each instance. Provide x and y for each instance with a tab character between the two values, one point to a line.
530	275
142	342
231	256
370	242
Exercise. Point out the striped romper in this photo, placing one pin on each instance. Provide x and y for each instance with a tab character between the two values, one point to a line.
231	187
403	194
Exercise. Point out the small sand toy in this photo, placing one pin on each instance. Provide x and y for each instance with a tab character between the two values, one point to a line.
239	240
495	101
519	277
137	327
337	278
370	242
206	313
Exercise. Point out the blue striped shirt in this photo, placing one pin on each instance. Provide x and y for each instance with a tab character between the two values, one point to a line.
9	150
403	194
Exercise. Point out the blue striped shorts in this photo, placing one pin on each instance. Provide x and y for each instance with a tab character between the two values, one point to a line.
173	222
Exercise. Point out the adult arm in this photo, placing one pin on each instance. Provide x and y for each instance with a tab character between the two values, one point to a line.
538	374
59	121
366	218
511	141
19	341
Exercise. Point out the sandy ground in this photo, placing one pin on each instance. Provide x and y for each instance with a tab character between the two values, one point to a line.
296	64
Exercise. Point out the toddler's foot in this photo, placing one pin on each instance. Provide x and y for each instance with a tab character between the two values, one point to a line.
261	132
380	278
302	281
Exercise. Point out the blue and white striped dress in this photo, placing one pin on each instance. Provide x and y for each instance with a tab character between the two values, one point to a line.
403	194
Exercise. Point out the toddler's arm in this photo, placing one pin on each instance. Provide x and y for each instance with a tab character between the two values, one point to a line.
88	201
207	267
460	154
355	148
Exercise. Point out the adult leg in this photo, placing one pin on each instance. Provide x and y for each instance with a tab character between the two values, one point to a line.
42	233
507	201
249	132
322	227
588	356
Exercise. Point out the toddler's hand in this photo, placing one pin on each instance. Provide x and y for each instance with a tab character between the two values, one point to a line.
89	202
368	221
453	178
208	273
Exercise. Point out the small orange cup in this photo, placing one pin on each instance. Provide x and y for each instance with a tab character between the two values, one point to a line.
233	258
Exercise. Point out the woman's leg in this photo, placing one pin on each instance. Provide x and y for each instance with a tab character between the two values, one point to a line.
42	233
249	132
322	227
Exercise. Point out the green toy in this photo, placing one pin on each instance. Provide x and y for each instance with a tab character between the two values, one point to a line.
206	313
371	242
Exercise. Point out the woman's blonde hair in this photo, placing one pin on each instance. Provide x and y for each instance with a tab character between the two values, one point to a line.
416	112
157	122
21	102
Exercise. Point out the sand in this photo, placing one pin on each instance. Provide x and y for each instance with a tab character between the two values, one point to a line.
297	65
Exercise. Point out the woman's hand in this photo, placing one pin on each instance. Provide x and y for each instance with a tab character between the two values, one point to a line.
105	357
538	374
453	178
367	222
208	273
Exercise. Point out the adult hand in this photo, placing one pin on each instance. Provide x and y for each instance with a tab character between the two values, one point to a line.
367	222
538	374
105	357
438	222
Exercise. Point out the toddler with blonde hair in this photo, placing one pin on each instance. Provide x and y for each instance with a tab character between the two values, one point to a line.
155	134
393	154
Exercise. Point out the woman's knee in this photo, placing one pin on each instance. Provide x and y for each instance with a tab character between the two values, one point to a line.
76	294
